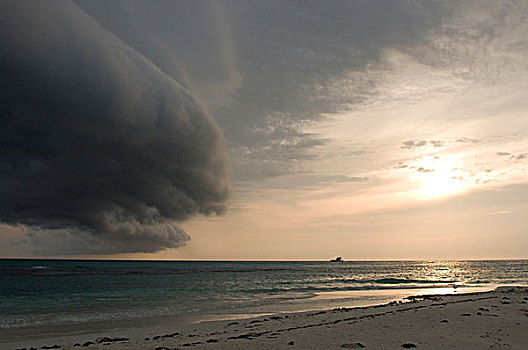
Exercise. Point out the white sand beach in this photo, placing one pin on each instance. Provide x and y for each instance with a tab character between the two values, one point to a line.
486	320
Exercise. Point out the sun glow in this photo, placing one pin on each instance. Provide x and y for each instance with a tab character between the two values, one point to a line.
438	176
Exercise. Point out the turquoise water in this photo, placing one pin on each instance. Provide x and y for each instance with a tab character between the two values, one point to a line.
39	294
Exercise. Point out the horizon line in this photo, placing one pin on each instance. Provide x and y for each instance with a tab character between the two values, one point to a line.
254	260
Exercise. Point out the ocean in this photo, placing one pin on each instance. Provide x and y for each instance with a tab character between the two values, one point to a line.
56	297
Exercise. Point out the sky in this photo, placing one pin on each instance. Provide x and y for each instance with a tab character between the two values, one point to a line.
264	130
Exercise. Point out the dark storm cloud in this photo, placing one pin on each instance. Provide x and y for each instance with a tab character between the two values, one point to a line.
187	40
100	151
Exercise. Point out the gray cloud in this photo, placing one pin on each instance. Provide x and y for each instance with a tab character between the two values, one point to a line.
413	144
420	143
100	150
466	140
310	181
401	166
512	156
300	60
283	65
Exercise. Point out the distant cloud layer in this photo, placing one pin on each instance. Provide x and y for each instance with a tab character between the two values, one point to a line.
100	151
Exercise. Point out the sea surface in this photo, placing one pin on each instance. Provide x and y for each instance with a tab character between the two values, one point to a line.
53	297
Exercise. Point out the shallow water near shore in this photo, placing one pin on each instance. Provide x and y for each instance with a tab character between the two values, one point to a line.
56	298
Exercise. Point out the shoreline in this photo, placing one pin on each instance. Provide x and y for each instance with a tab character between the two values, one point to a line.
476	317
147	325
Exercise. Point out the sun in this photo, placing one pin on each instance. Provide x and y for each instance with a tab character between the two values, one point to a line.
437	177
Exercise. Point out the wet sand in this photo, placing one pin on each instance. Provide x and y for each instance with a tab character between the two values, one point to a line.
486	320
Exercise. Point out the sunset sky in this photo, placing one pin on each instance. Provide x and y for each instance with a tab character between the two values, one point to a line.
264	130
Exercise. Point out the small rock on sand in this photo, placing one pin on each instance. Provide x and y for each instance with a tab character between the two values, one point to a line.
353	346
110	339
408	345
